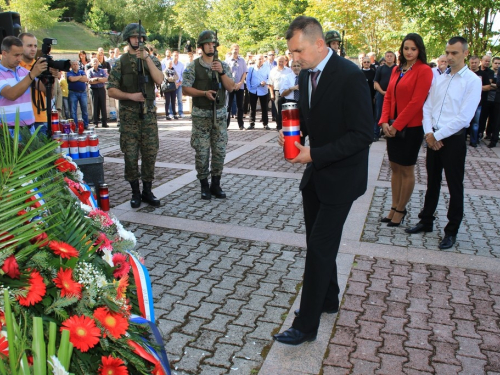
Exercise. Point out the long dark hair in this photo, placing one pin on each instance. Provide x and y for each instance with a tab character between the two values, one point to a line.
417	39
82	53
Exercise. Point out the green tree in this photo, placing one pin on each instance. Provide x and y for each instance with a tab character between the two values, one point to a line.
439	21
35	14
97	20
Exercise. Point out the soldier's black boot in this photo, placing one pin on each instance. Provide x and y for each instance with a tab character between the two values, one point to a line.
147	194
215	188
135	202
205	190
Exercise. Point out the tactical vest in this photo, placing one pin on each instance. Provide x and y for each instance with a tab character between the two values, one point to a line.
203	81
129	80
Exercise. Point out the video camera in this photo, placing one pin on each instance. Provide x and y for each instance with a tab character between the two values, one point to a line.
63	65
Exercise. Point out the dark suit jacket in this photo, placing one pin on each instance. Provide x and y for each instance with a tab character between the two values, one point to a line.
340	129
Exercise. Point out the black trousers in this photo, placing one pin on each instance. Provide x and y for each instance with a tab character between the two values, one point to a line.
170	99
324	224
253	108
487	110
494	125
99	102
451	158
238	94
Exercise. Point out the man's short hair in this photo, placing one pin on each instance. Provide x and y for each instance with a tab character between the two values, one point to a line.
94	59
459	39
234	45
474	57
496	58
29	35
309	26
10	41
390	52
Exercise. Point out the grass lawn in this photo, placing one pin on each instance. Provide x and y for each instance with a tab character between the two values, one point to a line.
71	38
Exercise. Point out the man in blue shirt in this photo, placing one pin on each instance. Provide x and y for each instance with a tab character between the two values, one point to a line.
77	86
239	69
257	78
97	78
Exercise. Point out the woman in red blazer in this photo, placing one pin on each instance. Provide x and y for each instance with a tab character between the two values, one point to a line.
401	121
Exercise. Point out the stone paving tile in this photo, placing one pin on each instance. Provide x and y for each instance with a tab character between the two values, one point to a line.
479	232
175	151
266	158
119	189
246	136
216	325
362	344
258	202
108	138
479	174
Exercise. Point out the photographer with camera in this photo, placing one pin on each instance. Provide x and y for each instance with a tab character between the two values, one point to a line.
15	84
206	79
30	45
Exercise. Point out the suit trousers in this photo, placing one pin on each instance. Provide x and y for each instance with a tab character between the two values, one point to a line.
451	158
99	100
324	224
238	96
263	105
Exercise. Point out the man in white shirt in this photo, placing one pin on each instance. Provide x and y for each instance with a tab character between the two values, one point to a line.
442	64
179	69
450	106
276	76
289	89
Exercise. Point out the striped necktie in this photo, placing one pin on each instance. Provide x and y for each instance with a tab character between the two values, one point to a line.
296	92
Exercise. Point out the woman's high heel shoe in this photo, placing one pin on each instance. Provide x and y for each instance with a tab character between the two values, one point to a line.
386	219
393	224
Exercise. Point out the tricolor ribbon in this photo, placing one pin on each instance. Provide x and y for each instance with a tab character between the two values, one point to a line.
36	198
286	134
144	291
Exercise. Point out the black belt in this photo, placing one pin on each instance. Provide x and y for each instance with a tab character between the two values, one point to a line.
77	91
460	132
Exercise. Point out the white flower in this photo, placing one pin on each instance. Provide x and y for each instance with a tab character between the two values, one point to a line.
108	257
85	207
125	234
57	367
78	175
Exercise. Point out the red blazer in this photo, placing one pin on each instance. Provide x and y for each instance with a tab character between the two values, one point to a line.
410	95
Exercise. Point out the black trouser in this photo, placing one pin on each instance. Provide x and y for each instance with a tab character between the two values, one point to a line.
170	99
451	158
246	100
253	108
274	110
487	110
324	224
238	94
494	124
99	102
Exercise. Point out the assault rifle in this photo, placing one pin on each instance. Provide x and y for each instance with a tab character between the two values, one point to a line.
342	44
216	84
142	78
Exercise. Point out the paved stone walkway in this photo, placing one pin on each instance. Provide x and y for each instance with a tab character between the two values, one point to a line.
227	274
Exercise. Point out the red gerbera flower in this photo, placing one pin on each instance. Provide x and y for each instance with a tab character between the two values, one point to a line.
121	265
41	239
112	366
11	268
115	323
2	319
63	249
122	287
69	287
63	165
83	333
36	290
4	346
103	242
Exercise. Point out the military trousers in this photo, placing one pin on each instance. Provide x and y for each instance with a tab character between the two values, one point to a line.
139	138
206	138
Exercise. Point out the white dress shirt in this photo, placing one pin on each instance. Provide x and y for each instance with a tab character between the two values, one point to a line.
321	67
276	77
287	82
452	102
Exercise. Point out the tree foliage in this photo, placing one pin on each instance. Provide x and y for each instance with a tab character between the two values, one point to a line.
35	14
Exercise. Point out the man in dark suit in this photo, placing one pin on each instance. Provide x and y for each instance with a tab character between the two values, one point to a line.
336	113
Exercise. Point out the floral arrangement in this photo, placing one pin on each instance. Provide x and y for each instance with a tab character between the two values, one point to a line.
70	264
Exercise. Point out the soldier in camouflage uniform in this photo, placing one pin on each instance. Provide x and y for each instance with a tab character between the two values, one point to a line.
332	40
138	136
198	82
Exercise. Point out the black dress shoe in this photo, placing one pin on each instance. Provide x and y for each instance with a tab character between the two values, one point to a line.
447	242
492	144
473	144
293	336
419	228
331	310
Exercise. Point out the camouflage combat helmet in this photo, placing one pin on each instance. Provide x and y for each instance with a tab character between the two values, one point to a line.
132	29
207	36
332	36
